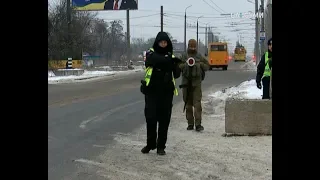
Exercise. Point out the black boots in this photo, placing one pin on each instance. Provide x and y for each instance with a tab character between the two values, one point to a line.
146	149
161	152
199	128
190	127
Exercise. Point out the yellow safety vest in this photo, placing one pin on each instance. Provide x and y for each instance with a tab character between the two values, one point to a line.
266	68
148	74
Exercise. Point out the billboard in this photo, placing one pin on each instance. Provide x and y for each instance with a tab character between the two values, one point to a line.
104	5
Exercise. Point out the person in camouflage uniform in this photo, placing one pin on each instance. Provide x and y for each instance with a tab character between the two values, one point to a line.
191	83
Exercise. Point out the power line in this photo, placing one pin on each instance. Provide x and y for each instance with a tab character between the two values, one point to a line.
137	17
212	7
180	12
217	5
212	17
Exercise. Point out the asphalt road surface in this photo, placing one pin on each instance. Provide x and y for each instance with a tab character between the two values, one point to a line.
83	117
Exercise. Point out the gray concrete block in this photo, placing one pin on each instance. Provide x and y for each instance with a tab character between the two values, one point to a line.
68	72
248	117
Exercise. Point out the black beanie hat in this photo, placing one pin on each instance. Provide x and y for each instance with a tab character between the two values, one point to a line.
270	41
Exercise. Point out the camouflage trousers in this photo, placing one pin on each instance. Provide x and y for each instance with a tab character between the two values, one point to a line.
192	97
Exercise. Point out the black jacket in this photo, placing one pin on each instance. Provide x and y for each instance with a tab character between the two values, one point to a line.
125	4
164	66
261	66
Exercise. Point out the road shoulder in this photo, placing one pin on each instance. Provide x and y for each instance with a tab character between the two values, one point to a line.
190	155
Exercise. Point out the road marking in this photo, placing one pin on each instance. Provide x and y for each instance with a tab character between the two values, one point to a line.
83	123
86	161
99	146
51	138
102	116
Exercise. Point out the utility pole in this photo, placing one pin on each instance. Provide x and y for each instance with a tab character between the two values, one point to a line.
69	44
256	44
185	29
128	34
185	32
206	40
199	42
198	33
212	37
262	28
161	18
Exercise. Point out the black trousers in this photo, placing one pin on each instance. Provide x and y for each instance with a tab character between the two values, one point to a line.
266	88
158	109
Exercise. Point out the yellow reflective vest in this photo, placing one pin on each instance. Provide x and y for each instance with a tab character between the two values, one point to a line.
266	67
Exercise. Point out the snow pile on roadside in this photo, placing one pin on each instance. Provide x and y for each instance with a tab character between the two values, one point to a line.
246	90
250	65
97	73
88	75
85	75
215	102
51	74
108	68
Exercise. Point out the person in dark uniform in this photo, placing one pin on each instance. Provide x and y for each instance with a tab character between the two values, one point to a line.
264	71
159	88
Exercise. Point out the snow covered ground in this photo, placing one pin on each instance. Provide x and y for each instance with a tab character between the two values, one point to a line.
88	75
52	79
250	65
245	90
190	155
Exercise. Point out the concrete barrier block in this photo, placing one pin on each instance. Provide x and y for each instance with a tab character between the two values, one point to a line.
248	117
68	72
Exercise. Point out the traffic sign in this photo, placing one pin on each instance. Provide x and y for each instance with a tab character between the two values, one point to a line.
262	35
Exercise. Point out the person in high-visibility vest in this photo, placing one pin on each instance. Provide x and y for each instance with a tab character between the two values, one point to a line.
264	71
159	88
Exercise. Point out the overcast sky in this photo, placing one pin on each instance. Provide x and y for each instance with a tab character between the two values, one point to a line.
148	15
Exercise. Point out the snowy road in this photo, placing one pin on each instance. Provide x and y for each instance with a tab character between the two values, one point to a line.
88	124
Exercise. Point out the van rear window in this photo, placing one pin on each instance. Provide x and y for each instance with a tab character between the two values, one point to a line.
218	47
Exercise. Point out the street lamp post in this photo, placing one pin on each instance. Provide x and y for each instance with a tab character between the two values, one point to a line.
206	39
185	28
198	31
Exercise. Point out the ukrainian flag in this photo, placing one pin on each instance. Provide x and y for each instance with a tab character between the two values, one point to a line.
88	5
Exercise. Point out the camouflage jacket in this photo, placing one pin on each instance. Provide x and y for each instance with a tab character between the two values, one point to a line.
193	73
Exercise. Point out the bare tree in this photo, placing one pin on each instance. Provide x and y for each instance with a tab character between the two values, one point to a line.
88	34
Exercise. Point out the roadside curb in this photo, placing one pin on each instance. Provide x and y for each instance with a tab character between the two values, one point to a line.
80	79
92	77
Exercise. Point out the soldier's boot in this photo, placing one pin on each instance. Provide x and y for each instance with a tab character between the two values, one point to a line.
190	117
199	128
198	116
190	127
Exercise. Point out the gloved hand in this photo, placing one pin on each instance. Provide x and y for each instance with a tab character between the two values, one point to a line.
177	60
143	87
259	85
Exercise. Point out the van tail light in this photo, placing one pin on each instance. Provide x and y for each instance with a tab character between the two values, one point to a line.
211	60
